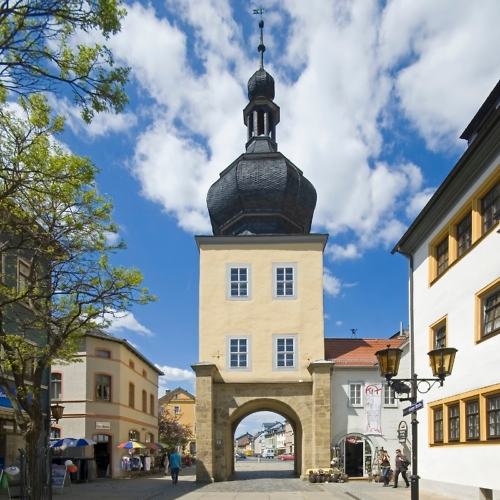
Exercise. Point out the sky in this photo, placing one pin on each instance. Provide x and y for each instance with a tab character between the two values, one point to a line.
373	95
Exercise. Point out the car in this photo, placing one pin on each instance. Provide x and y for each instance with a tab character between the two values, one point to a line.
241	456
286	456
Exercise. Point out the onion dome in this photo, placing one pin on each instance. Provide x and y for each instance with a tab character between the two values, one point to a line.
261	84
262	192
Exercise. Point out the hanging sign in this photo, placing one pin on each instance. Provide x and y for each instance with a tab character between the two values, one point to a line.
373	405
58	476
351	440
402	431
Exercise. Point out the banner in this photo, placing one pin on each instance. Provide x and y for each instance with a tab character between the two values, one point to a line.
373	406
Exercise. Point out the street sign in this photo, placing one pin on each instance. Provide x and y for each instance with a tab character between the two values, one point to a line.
413	408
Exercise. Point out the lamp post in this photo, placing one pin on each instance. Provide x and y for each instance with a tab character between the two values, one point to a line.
57	412
441	363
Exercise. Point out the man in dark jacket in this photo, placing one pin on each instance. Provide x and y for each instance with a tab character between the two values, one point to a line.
401	467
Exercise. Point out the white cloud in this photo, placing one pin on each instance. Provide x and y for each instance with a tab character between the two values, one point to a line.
427	61
112	238
337	252
339	323
418	201
102	124
175	377
331	284
127	321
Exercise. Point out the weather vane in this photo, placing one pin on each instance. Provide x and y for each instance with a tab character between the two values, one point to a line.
262	47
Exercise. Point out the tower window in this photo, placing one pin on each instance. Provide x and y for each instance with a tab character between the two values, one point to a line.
238	277
285	352
238	349
285	281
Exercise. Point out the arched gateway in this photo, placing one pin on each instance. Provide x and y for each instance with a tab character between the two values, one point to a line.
261	300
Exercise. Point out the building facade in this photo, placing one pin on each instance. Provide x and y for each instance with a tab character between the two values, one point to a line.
110	396
454	248
368	413
181	404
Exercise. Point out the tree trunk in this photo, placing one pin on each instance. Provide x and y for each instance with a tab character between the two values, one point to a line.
35	464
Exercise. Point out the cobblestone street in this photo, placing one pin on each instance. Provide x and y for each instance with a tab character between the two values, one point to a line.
268	480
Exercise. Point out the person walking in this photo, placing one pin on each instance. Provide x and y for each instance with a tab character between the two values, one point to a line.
165	462
175	465
385	466
401	467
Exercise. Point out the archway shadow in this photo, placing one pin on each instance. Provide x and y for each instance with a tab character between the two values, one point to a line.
250	475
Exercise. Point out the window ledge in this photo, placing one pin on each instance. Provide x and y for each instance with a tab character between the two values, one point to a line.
493	228
488	337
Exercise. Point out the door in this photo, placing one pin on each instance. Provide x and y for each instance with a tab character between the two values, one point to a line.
102	455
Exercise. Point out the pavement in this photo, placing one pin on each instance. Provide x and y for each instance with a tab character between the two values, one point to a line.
269	480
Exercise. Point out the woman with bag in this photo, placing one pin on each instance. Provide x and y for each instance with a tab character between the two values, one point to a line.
385	465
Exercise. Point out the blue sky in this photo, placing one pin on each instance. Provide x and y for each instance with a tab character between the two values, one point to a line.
373	98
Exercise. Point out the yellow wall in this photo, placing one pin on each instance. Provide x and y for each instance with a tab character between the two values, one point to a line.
186	406
261	317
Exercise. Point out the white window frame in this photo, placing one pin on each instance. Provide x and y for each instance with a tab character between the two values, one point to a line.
295	339
177	410
276	266
28	265
392	395
247	368
356	404
248	267
56	383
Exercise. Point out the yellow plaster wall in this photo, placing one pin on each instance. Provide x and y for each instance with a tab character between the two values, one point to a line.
261	317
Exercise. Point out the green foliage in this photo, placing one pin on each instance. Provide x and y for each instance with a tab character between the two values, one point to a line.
53	218
38	51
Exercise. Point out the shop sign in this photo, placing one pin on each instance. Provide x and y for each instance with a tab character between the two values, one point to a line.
402	432
102	425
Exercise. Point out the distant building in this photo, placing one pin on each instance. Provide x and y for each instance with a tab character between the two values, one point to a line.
368	412
181	404
110	397
454	251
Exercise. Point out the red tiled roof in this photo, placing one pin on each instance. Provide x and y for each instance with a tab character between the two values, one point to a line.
358	352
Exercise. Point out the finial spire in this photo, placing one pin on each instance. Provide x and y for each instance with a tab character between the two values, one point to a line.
262	47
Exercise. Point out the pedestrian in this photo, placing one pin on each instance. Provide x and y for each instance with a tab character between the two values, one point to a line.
401	467
188	460
165	462
385	466
175	465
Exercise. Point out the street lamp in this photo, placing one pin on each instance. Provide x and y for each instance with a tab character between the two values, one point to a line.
441	363
57	412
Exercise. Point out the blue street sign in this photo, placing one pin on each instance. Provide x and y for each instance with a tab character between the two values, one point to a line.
413	408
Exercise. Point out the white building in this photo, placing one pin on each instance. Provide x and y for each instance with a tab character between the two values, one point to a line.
367	412
454	252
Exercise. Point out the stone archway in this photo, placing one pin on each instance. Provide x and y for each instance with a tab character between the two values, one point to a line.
265	404
220	406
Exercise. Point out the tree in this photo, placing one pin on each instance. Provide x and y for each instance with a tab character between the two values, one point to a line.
56	225
39	51
171	432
